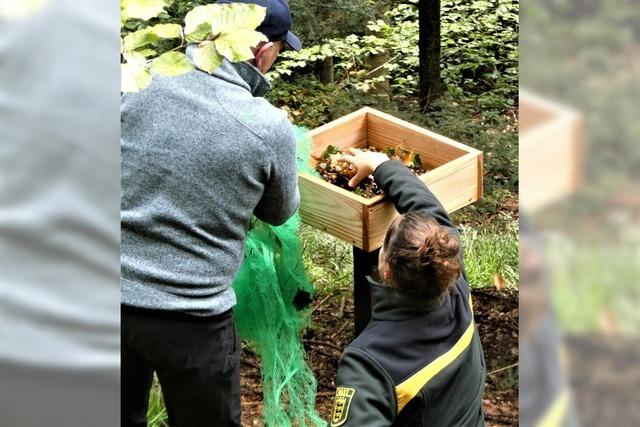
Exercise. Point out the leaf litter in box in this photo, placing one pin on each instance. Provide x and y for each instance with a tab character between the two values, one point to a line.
339	173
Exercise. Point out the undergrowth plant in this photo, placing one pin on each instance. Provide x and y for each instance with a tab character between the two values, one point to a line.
479	45
487	253
594	281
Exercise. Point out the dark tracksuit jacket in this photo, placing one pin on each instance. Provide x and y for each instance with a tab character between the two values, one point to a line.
413	367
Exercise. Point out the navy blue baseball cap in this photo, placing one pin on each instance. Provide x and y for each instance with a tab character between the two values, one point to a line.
277	23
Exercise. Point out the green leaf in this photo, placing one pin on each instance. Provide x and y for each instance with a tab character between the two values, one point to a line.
200	33
197	21
330	151
146	52
172	64
236	45
214	19
166	31
135	57
142	9
151	35
139	39
198	17
237	16
417	161
207	58
134	77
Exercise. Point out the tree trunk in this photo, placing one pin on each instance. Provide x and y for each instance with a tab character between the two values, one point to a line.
429	46
377	60
326	76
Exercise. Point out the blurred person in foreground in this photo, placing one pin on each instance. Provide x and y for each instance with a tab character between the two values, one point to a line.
201	154
59	213
545	397
419	361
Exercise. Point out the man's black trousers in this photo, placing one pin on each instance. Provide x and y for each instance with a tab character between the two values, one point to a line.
196	360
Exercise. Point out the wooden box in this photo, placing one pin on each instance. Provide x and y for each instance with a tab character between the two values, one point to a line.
551	152
455	176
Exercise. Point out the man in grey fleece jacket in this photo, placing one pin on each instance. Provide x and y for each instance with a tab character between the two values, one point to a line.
201	154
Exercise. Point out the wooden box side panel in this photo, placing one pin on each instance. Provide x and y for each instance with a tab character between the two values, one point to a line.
347	131
379	217
324	207
532	114
456	185
551	158
435	150
536	111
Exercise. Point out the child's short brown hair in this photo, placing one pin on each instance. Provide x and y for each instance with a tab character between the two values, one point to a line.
422	257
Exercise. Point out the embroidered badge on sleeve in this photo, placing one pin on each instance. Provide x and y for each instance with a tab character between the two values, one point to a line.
341	405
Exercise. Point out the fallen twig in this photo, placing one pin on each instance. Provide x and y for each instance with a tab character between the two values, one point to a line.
341	309
325	394
324	353
326	344
322	301
250	363
344	325
503	369
500	419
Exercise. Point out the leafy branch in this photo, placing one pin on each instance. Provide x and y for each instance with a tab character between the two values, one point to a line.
219	30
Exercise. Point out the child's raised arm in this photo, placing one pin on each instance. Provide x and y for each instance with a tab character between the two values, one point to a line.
407	192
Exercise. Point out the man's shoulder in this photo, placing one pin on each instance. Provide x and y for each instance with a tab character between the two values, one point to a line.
256	114
270	124
216	99
191	88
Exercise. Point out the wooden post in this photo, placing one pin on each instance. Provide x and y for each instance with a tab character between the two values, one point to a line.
364	264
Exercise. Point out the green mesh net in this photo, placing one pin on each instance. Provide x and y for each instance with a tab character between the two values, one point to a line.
272	289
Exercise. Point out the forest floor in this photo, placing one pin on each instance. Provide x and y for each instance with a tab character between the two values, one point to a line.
496	314
605	375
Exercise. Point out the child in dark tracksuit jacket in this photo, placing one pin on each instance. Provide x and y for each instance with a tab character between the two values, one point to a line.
419	362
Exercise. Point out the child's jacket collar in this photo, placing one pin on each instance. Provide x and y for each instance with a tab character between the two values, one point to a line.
387	306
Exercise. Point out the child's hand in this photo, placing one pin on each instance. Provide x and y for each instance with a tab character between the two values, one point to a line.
365	162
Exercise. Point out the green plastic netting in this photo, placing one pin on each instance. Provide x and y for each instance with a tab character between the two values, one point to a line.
272	288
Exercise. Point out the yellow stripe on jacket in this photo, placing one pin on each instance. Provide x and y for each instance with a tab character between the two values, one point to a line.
410	387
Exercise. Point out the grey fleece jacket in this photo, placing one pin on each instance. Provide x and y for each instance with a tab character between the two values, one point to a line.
201	154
